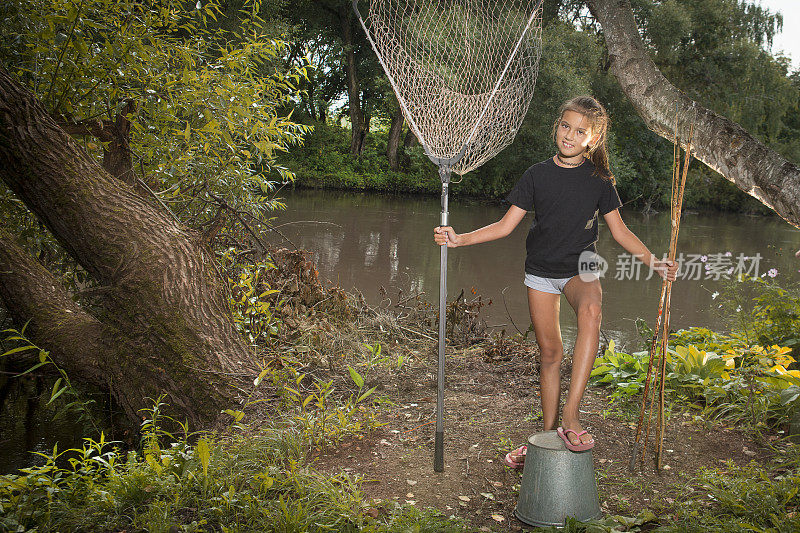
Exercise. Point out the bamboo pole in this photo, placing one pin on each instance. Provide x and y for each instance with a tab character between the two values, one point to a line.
680	170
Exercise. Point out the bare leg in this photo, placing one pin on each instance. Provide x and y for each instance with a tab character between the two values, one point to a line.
544	308
586	299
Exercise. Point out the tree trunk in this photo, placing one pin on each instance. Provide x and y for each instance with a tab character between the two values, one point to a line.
161	320
718	142
115	137
359	131
393	142
550	10
410	139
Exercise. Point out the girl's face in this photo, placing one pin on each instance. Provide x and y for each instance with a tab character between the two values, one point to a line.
573	134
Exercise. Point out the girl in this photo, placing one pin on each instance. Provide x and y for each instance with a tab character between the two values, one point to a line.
567	193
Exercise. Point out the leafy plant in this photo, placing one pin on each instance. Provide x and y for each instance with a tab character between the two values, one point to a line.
625	373
777	314
253	311
692	370
236	483
62	386
322	419
745	499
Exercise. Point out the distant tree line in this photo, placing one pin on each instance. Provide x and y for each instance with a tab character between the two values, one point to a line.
714	51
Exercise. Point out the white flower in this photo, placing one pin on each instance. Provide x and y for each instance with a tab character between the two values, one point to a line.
703	258
727	254
772	272
714	296
738	308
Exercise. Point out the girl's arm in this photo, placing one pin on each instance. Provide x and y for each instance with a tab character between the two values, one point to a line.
628	240
495	230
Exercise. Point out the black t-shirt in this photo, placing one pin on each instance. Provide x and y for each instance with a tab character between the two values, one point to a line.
566	203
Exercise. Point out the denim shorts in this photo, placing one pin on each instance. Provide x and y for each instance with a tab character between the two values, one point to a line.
551	285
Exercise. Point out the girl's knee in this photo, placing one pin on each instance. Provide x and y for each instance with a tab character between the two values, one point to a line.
591	311
551	355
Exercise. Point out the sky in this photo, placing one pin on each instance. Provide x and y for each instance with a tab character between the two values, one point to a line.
789	39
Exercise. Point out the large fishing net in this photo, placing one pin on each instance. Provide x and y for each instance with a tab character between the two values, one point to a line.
463	70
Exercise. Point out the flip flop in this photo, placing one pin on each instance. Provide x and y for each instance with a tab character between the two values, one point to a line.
522	450
574	447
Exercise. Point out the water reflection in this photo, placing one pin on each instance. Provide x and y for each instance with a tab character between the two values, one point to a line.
369	241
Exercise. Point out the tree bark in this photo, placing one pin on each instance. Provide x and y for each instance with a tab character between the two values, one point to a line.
410	139
115	137
393	143
158	293
83	346
359	130
720	143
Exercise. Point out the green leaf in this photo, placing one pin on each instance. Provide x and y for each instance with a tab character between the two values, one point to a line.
237	415
260	377
56	391
31	369
370	391
17	350
356	377
204	454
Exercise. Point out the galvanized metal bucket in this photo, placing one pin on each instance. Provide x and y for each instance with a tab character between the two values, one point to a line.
556	483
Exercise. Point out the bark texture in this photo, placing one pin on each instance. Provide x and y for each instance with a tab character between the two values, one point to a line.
357	119
115	136
393	143
720	143
159	296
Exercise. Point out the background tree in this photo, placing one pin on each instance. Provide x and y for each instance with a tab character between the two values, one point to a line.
719	142
202	113
714	52
333	21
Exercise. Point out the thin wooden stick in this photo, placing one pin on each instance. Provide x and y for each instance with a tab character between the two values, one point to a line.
678	206
648	379
661	331
657	328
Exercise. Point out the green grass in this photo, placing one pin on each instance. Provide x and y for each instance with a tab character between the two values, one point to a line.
254	481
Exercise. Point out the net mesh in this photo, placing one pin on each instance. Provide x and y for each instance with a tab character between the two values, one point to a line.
463	70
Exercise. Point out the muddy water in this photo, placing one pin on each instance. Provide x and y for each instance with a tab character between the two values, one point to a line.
369	241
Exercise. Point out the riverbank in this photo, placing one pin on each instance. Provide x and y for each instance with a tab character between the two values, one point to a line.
337	433
324	162
374	243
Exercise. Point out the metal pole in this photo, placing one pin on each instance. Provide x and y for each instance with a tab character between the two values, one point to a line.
438	456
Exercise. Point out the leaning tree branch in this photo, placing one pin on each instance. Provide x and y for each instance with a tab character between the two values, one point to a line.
164	295
87	349
720	143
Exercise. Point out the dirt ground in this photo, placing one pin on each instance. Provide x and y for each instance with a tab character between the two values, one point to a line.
492	406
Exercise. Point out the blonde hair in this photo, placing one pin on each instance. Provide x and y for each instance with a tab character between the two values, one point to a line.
598	118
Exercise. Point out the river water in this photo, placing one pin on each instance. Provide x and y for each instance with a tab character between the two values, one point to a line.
366	241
